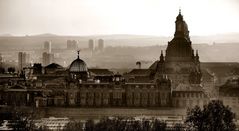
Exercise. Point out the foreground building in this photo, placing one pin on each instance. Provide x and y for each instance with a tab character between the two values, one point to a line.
229	93
175	80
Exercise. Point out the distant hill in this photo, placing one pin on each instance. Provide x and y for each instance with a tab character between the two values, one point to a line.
43	35
58	41
5	35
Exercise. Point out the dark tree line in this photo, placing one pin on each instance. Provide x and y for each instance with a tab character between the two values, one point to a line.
213	117
122	124
18	119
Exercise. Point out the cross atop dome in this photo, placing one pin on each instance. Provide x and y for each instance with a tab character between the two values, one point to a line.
180	16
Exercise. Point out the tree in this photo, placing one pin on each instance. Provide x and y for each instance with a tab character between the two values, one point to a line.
213	117
19	119
19	122
146	125
178	127
89	125
73	126
159	125
42	128
125	124
107	124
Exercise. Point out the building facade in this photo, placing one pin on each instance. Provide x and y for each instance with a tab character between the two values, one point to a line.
22	60
175	80
47	46
47	58
229	93
71	44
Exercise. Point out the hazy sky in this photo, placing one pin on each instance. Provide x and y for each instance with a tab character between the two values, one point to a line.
143	17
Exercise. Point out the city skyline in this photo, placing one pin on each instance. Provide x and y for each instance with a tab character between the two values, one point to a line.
119	81
29	17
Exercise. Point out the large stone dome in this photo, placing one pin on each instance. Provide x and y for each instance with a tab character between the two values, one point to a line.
78	65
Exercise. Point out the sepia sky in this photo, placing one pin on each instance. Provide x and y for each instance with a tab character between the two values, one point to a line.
141	17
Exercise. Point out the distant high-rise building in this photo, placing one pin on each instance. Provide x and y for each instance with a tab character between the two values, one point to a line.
47	46
28	59
100	44
91	44
1	57
71	44
22	60
47	58
1	60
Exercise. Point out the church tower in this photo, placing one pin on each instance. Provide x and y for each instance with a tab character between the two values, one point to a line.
181	27
179	48
180	63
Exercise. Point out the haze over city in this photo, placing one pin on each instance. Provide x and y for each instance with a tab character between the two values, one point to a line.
94	17
119	65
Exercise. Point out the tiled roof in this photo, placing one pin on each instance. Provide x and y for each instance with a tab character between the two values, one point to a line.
139	72
231	87
54	65
189	87
221	69
154	65
101	72
207	75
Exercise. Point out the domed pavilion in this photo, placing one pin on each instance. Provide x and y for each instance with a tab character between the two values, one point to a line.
78	69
